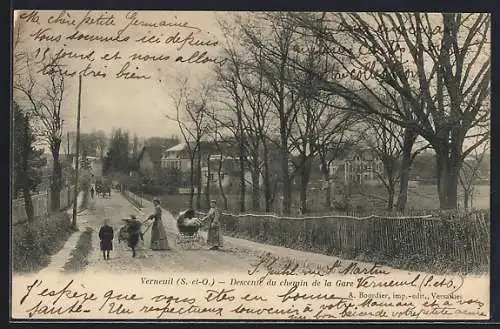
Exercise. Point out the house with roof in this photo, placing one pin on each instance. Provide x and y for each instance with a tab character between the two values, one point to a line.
359	166
177	157
362	166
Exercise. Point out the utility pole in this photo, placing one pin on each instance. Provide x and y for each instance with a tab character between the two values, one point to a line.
67	137
68	184
77	155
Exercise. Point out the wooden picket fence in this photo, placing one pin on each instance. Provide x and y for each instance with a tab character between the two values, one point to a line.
460	239
133	198
41	204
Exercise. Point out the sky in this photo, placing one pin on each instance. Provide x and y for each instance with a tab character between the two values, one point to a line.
138	106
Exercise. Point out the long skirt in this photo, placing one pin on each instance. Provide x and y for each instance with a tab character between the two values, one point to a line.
158	236
214	236
106	245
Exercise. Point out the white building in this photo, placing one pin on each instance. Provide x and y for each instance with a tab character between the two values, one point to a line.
177	157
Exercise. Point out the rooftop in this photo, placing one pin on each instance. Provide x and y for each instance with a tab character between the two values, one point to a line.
177	148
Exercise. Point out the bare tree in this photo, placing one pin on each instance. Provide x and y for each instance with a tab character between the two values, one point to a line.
273	37
192	120
330	150
320	119
218	142
231	117
43	95
471	173
405	135
439	65
248	108
220	167
385	141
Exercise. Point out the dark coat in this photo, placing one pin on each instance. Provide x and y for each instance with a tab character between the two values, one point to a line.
106	236
134	232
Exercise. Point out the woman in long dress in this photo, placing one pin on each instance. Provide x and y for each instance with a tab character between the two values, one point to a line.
158	233
214	236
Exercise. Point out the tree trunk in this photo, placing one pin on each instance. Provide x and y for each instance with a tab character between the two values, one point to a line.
472	197
441	178
192	182
403	190
466	199
448	168
326	176
255	183
267	187
409	140
28	202
286	190
56	178
390	198
328	194
207	192
198	182
242	183
255	191
452	189
305	172
284	137
221	187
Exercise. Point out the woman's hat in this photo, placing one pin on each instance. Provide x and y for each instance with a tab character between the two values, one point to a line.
156	200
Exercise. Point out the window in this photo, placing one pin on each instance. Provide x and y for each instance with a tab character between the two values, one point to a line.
172	164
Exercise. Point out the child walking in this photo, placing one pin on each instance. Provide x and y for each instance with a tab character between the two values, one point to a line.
106	236
133	233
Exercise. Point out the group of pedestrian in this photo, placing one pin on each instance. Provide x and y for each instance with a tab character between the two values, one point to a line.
132	231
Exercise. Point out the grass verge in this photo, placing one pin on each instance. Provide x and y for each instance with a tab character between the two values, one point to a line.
33	243
79	256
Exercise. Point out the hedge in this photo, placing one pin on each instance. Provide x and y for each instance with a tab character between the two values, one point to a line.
34	242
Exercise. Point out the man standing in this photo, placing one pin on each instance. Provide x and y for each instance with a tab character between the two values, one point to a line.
214	238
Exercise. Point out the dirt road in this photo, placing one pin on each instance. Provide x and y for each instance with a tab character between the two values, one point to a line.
237	254
234	255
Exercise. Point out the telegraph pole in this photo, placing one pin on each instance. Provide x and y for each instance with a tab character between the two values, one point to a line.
68	183
77	155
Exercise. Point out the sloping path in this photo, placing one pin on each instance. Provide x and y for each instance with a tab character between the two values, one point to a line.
58	260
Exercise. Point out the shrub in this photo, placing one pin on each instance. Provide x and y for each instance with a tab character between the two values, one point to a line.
34	242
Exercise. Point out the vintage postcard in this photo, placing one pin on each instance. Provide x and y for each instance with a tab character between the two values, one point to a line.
250	165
